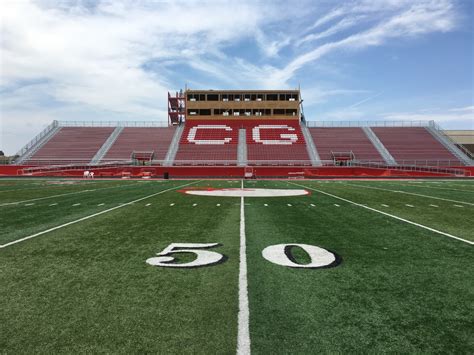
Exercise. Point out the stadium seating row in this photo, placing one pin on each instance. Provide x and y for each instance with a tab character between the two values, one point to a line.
278	142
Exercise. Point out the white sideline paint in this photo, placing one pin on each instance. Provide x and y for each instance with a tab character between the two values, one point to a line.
390	215
92	215
66	194
243	333
411	193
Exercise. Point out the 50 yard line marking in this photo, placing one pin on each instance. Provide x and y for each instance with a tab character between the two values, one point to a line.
92	215
243	333
389	215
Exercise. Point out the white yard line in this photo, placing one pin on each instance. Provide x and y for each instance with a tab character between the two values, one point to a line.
437	188
390	215
243	335
66	194
411	193
91	216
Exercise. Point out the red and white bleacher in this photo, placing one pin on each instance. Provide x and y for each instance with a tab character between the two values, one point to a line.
210	142
276	143
415	146
143	139
330	140
71	145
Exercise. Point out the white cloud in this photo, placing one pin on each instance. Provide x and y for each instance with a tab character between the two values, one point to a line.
62	60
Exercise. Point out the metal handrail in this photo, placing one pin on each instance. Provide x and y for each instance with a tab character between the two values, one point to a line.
37	138
113	124
355	124
452	141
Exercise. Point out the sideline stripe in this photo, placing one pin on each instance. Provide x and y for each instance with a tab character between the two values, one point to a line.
243	336
91	216
411	193
389	215
66	194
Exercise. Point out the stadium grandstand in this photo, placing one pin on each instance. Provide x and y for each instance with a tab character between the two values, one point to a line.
243	129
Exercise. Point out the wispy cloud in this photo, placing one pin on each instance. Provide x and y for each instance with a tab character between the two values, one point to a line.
116	59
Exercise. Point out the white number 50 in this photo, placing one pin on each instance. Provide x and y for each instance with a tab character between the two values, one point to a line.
203	257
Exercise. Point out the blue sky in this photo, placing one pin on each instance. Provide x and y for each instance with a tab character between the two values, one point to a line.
115	60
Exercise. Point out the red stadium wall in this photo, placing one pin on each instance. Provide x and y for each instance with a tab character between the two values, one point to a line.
235	172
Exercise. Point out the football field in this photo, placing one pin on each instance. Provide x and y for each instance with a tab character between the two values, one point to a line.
310	266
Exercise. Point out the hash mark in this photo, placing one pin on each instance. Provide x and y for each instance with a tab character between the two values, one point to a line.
289	204
76	204
195	204
101	204
312	205
406	204
171	204
265	204
434	206
384	205
53	204
336	205
29	204
218	205
148	204
454	206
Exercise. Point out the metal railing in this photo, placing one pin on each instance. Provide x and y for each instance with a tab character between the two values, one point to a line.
329	124
37	138
428	169
463	149
113	124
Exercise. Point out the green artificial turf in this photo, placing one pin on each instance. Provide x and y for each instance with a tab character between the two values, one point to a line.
86	288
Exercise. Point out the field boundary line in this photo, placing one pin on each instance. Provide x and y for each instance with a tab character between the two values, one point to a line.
389	215
410	193
66	194
243	336
91	216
